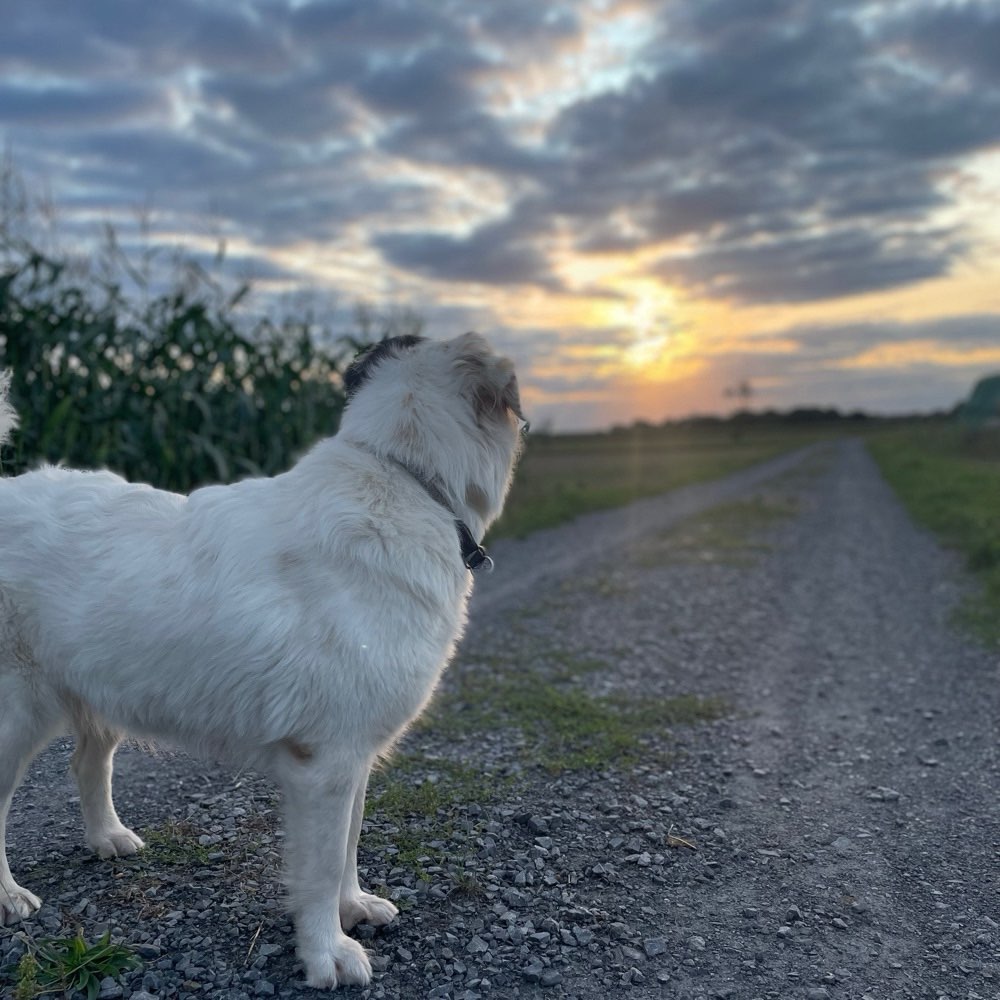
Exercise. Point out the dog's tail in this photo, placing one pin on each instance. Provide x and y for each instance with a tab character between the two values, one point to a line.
8	416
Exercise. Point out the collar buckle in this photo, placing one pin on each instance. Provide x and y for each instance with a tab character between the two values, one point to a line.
477	559
473	554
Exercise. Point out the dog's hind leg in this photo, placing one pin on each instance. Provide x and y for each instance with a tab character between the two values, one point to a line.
93	766
356	905
26	725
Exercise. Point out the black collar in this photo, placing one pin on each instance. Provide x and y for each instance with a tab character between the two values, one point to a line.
473	554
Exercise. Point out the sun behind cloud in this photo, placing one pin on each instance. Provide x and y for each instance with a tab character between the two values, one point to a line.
651	333
653	345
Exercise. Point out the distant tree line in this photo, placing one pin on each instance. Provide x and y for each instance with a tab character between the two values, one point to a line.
800	416
795	415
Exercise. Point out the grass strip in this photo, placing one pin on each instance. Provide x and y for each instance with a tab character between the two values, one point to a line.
562	476
565	726
949	479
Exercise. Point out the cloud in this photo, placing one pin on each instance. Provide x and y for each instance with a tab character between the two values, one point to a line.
261	102
432	109
518	22
498	253
434	85
107	39
78	108
378	27
805	267
795	121
830	344
962	39
848	366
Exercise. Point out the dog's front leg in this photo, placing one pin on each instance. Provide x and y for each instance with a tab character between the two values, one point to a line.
318	813
355	904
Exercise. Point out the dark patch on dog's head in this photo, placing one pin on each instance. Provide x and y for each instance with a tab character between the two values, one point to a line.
360	369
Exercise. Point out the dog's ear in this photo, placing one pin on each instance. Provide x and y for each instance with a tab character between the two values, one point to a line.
511	398
489	379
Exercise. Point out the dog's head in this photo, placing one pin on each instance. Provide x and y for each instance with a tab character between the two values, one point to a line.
488	380
449	409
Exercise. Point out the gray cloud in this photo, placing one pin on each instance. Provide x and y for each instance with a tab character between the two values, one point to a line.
519	23
502	253
781	119
76	108
824	344
261	103
433	85
430	106
796	146
963	39
801	268
373	26
117	38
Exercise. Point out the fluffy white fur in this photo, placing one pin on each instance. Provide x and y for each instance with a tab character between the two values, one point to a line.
296	624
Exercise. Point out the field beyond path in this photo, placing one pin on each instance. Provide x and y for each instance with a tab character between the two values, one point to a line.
722	743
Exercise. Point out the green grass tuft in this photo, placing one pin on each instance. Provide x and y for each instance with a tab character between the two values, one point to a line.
421	801
443	785
71	965
175	843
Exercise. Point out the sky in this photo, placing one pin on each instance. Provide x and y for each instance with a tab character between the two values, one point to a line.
643	202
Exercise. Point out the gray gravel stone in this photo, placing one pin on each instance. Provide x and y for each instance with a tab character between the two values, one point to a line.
655	946
110	989
532	973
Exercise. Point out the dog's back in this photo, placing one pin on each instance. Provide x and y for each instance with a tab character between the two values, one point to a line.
236	617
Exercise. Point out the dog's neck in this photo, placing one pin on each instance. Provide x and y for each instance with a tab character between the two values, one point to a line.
473	554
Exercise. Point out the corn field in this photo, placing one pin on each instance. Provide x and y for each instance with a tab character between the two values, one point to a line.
166	389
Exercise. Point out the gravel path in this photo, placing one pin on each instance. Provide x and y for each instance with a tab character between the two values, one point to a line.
834	834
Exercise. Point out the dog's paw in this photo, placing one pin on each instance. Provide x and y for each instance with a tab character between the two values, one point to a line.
347	964
118	842
16	903
368	909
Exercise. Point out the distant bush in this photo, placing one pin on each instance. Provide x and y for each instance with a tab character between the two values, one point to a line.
167	388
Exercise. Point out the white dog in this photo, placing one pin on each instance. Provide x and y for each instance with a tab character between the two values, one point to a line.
296	624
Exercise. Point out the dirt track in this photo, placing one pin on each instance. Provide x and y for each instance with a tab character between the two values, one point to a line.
843	813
